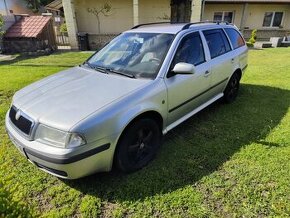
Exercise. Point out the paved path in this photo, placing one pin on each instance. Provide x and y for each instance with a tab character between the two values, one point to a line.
6	57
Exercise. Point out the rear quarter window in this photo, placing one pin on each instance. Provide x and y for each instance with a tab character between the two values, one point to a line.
235	38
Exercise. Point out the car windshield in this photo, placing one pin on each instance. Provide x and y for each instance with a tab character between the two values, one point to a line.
136	55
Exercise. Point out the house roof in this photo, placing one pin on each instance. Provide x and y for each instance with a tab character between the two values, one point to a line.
248	1
28	27
56	5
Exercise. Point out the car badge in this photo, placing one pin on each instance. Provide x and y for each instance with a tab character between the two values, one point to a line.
17	115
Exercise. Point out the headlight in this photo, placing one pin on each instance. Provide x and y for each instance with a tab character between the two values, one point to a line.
58	138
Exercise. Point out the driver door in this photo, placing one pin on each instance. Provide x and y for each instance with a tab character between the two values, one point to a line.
187	92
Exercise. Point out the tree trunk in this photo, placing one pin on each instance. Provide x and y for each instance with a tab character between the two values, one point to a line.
180	10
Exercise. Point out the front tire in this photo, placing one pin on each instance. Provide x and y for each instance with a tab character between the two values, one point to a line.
232	89
138	145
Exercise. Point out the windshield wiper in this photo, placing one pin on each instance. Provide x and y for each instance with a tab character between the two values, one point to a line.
101	69
88	63
108	70
121	73
98	68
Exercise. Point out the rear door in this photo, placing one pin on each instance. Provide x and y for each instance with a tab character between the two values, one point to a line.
240	50
187	92
221	62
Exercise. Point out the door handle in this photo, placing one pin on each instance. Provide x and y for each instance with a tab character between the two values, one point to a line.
206	73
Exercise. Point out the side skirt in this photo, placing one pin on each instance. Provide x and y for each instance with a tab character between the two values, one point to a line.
196	110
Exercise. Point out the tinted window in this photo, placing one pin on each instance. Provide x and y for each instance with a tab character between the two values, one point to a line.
268	19
190	50
228	17
272	19
277	19
223	16
217	42
236	39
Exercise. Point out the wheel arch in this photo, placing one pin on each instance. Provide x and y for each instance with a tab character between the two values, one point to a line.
239	72
154	115
151	114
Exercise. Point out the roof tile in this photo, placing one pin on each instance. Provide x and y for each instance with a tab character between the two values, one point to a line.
30	27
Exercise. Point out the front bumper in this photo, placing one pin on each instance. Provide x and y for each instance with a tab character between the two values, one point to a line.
65	163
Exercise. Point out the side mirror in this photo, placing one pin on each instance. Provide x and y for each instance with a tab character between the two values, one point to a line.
184	68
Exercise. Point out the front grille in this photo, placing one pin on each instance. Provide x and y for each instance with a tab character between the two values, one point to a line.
22	123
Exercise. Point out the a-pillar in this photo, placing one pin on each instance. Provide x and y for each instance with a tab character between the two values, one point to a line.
70	19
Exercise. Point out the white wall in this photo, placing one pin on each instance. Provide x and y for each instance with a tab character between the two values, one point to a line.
254	16
119	19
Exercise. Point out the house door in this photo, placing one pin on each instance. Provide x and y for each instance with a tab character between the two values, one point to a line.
180	10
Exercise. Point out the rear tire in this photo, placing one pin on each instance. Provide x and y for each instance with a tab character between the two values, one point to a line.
232	89
138	145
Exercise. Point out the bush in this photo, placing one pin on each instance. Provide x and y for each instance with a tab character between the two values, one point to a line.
1	25
250	45
253	38
63	28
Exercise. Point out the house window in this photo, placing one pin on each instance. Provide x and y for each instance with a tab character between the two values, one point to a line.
227	16
273	19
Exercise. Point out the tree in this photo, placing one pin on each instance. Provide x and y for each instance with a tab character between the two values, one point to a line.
180	10
105	10
35	5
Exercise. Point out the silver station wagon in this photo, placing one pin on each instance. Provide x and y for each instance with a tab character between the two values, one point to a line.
115	107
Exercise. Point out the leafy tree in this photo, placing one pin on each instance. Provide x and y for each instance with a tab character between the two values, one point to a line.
35	5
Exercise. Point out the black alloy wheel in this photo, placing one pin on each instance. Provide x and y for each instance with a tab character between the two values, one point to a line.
138	145
232	89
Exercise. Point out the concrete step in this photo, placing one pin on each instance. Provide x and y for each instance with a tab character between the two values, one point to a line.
263	45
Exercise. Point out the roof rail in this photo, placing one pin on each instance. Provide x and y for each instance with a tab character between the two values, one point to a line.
207	21
186	25
146	24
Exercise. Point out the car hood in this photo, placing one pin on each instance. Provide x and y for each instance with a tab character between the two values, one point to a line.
64	99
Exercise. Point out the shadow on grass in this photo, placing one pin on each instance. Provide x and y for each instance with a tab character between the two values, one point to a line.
19	58
197	147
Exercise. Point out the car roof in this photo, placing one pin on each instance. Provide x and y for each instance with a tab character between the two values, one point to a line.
174	28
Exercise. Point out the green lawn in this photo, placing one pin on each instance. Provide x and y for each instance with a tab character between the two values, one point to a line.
227	161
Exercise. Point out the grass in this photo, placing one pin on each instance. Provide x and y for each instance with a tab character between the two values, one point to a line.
227	161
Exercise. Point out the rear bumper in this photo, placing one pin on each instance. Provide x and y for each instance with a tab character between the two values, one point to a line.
65	163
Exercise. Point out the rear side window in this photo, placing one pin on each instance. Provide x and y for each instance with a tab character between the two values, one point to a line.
235	37
190	50
217	42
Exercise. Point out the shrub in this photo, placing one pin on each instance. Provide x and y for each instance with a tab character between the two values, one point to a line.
63	28
253	38
1	25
